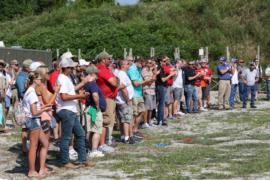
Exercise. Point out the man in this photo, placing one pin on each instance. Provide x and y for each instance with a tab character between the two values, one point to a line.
14	72
241	68
108	84
224	84
95	104
206	90
250	76
22	77
4	78
161	87
168	68
260	74
178	88
66	103
267	74
199	84
134	73
54	75
190	90
124	103
149	93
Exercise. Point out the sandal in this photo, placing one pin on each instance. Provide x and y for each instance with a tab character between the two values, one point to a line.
35	174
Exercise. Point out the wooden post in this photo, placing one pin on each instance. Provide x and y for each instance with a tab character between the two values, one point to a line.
79	54
258	52
125	53
57	53
206	53
152	52
201	53
130	53
176	53
228	53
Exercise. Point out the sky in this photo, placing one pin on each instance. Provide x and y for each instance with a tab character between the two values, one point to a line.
127	2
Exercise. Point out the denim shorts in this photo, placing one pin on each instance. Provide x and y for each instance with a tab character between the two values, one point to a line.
7	101
33	123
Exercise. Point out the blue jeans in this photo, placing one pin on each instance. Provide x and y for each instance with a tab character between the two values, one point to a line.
71	124
268	89
242	91
252	90
233	94
191	94
161	92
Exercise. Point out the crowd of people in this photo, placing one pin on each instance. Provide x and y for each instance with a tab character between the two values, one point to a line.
81	102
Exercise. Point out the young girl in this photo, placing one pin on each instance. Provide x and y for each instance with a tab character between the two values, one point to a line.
33	112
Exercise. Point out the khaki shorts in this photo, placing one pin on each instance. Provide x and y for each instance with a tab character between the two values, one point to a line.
109	114
124	113
138	105
97	126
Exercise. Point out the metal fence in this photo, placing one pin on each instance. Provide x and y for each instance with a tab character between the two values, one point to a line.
21	54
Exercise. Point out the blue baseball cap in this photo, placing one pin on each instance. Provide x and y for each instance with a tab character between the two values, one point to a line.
222	58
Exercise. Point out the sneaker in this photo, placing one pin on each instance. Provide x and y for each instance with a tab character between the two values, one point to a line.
203	109
106	149
145	126
180	113
133	140
164	124
253	106
69	166
152	125
95	154
86	164
244	106
138	135
73	155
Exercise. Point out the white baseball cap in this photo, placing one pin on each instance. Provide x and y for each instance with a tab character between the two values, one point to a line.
83	62
67	62
35	65
67	55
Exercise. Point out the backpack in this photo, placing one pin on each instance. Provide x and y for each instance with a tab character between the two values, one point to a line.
19	114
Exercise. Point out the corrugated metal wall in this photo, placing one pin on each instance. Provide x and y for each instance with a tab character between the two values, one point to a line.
9	54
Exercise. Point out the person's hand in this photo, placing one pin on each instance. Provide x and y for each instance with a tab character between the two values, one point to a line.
47	107
57	88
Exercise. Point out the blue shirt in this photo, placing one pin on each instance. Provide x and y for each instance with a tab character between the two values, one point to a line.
135	75
225	76
20	83
92	87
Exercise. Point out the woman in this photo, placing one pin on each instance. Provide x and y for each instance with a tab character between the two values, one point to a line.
33	112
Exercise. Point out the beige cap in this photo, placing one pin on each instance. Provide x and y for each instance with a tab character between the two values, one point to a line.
27	63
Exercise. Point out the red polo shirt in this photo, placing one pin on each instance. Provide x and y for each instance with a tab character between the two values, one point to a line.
167	70
53	77
103	76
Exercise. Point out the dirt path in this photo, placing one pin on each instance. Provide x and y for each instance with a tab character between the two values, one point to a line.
210	145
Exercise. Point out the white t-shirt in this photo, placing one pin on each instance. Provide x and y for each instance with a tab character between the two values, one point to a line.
235	77
67	87
30	97
250	76
178	81
267	70
124	79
